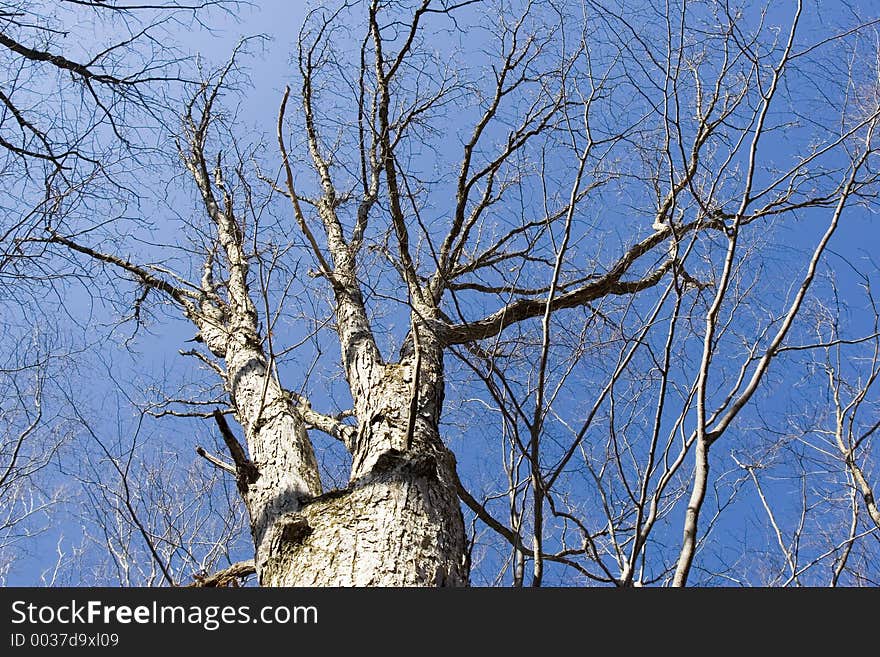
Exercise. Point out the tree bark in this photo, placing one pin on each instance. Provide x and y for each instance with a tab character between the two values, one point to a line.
400	525
398	522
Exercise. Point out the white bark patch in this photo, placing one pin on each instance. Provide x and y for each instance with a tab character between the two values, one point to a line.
385	416
276	439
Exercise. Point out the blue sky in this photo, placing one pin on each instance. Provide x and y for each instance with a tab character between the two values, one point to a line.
111	381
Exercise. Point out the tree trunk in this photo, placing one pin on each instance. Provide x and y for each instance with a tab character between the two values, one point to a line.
281	471
398	522
399	525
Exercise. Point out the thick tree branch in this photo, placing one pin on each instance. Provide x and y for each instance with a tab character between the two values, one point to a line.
61	62
523	309
217	462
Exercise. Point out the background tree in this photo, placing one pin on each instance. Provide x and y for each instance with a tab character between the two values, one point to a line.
562	262
87	87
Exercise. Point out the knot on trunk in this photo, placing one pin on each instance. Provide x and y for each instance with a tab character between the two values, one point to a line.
418	464
247	473
290	530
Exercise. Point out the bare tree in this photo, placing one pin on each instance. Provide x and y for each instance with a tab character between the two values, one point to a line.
85	89
26	448
567	233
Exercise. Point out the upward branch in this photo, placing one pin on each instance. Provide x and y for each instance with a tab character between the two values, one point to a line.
608	284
